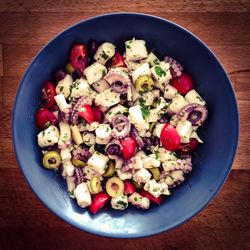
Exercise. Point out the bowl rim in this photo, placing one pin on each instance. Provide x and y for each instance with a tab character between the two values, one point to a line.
138	234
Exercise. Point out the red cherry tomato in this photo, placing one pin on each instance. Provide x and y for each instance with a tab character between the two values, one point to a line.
48	95
183	83
128	147
187	148
170	138
128	187
86	112
78	57
98	202
157	201
98	116
117	61
45	118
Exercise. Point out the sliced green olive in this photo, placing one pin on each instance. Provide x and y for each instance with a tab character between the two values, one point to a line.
138	185
69	68
144	83
151	127
114	187
110	170
95	184
78	163
155	172
51	160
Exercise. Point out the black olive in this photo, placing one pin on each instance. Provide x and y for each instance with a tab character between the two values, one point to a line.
76	74
100	148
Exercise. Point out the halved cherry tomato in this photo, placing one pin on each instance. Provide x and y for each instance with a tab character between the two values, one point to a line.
128	187
45	118
183	83
86	112
117	61
98	202
48	95
98	116
128	147
187	148
157	201
78	57
170	138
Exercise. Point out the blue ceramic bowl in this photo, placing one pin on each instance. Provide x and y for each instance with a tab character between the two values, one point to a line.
220	132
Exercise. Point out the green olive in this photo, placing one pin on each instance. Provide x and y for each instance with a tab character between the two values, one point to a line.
95	184
155	172
152	126
138	185
114	187
51	160
69	68
78	163
110	170
144	83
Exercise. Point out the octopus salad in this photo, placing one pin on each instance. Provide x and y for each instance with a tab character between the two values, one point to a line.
120	128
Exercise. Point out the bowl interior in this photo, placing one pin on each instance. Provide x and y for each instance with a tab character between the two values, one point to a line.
220	133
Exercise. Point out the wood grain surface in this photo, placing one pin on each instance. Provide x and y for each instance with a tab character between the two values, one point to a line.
26	26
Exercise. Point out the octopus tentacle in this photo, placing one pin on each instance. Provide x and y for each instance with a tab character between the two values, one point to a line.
136	136
79	177
121	126
113	149
81	153
175	67
182	164
77	108
194	112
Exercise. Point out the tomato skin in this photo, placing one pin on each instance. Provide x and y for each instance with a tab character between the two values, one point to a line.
45	118
117	61
128	147
128	187
187	148
98	202
78	57
86	112
48	95
98	116
170	138
183	83
157	201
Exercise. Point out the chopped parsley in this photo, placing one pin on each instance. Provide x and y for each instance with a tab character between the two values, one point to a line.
171	177
43	133
156	61
61	88
155	190
104	55
156	154
159	71
110	112
199	98
144	108
122	203
103	73
135	199
47	124
128	46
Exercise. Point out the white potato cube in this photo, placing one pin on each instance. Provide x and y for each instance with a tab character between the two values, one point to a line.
101	85
104	52
161	74
65	135
151	161
124	175
139	201
156	189
193	97
107	98
174	176
184	129
64	86
170	92
65	154
62	104
151	59
82	195
177	103
95	72
195	135
48	137
137	118
136	50
143	70
174	120
165	155
68	168
158	128
142	176
103	131
120	202
170	165
80	88
98	162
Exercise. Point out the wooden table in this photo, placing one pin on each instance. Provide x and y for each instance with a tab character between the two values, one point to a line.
25	26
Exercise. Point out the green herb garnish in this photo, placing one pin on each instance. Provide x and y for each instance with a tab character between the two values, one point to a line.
159	71
104	55
144	108
122	203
